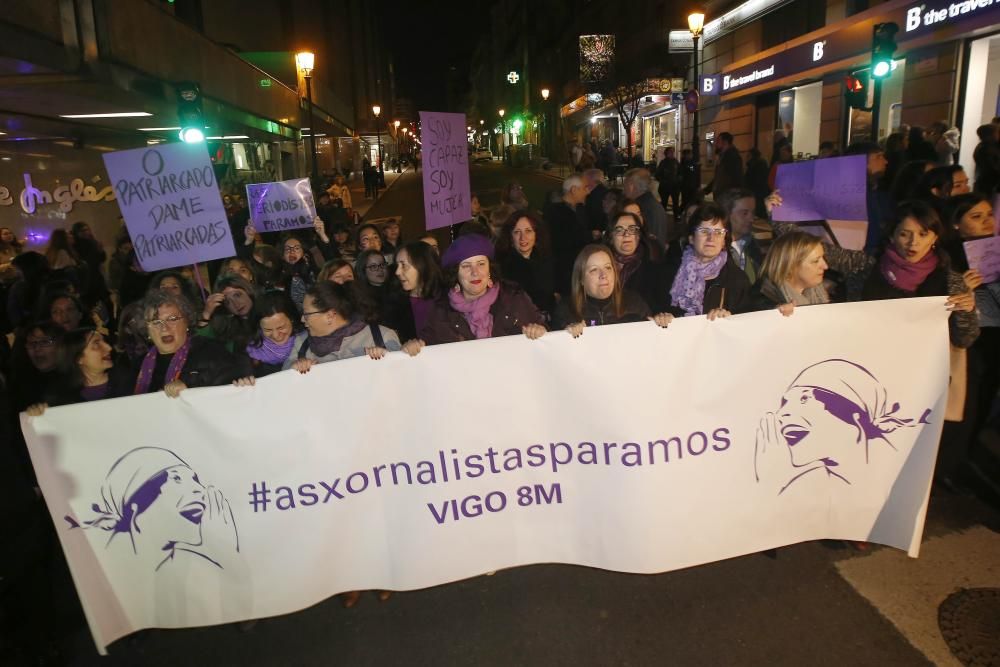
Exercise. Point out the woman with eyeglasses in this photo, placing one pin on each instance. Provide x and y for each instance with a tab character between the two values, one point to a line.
708	281
177	360
33	363
279	322
337	327
637	269
476	304
86	372
597	296
297	271
523	253
228	315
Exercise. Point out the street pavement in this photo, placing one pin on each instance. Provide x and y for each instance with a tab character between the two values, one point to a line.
815	604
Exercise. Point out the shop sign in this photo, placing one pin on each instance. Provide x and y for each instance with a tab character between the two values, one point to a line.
940	14
708	84
679	41
66	196
677	85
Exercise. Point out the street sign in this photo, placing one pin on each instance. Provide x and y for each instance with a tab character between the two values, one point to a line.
677	99
691	101
677	85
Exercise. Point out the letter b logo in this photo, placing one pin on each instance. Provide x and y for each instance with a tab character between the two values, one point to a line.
707	85
913	19
818	50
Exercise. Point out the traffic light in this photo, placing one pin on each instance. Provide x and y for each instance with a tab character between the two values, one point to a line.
883	46
190	113
856	90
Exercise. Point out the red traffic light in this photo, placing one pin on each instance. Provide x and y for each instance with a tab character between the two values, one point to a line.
853	84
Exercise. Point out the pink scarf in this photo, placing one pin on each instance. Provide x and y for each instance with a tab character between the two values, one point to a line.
145	377
904	275
477	312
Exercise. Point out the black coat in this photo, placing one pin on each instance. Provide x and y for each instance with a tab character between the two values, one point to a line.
535	275
601	311
209	364
730	290
569	232
595	208
652	281
120	383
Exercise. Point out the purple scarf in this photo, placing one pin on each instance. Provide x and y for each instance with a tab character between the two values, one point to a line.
269	352
688	290
145	377
628	264
904	275
477	312
329	344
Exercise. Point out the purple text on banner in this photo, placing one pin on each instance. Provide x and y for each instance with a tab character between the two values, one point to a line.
446	169
826	189
275	207
984	256
170	200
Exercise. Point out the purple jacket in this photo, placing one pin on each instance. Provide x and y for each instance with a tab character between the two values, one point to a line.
512	310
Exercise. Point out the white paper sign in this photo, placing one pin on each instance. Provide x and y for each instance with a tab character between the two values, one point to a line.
631	448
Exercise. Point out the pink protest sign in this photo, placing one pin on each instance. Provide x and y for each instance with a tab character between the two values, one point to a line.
446	169
984	256
170	200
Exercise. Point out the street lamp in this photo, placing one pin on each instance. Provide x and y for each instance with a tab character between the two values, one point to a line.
696	22
399	166
376	110
305	62
545	113
503	133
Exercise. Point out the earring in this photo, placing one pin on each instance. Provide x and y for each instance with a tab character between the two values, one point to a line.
489	283
457	288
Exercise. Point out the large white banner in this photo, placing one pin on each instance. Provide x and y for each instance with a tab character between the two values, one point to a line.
632	448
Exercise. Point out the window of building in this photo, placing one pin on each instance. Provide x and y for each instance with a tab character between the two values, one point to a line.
982	101
859	124
792	21
799	117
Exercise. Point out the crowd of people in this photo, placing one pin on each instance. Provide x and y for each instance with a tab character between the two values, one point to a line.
87	325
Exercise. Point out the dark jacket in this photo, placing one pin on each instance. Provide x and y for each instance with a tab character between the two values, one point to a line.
601	311
120	383
651	281
595	208
987	158
728	172
655	216
535	275
209	364
730	290
569	232
511	311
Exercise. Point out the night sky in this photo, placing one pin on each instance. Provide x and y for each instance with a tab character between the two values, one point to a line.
429	37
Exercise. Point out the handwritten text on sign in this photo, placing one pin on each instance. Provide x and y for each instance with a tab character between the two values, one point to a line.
171	204
446	169
827	189
283	205
984	256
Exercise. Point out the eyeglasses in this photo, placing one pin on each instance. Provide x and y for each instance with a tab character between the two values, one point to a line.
632	230
293	248
164	323
375	267
312	312
710	231
39	344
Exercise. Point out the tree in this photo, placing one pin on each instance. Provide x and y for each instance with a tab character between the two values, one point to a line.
626	98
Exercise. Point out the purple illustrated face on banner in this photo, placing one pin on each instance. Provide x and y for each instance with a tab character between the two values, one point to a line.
827	421
156	504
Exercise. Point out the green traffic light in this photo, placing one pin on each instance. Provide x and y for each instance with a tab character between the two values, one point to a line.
881	69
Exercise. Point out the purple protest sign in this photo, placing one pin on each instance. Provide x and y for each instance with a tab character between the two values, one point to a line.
171	204
446	169
827	189
282	205
984	256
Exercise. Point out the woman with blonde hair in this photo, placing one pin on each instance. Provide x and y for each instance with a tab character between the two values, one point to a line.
791	274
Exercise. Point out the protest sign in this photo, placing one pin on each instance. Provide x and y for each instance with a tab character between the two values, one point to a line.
170	200
831	189
231	503
275	207
984	256
446	169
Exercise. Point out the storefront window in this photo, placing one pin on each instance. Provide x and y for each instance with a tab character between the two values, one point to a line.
799	113
982	100
660	132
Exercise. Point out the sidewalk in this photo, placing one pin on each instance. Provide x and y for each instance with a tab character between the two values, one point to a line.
362	205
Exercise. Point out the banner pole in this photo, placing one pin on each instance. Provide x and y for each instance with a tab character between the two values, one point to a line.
201	284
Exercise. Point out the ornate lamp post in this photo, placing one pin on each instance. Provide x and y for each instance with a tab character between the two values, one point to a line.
696	22
376	110
545	114
305	61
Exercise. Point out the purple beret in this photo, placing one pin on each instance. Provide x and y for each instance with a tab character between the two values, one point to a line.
464	247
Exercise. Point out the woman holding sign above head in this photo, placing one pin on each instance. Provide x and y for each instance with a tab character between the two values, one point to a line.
913	263
598	297
476	303
708	281
228	315
177	360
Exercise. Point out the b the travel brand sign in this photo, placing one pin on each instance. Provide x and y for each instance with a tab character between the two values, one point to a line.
942	14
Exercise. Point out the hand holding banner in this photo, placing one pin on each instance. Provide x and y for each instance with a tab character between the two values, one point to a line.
170	200
275	207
